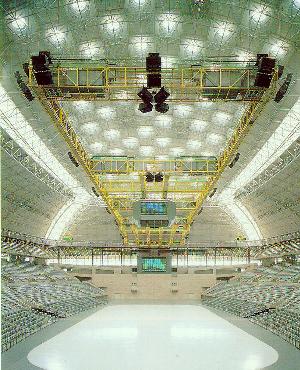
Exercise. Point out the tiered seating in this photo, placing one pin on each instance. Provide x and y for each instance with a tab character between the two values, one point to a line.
36	296
269	297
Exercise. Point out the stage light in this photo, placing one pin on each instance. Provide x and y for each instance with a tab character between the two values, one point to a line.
147	98
160	99
159	177
145	108
149	177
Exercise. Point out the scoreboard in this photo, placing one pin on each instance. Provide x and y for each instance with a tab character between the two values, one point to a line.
154	213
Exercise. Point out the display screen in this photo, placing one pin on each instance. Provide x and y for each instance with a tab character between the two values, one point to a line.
154	208
154	265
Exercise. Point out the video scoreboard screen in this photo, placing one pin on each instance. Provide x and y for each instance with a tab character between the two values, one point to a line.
154	264
153	208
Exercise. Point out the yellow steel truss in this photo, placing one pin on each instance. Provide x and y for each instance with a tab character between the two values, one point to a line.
119	192
189	84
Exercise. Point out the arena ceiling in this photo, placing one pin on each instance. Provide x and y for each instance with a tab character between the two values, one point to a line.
122	33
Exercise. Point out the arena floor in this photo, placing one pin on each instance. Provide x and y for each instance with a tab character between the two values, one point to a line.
153	337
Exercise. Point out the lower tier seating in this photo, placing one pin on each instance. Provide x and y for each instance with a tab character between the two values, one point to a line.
269	302
33	297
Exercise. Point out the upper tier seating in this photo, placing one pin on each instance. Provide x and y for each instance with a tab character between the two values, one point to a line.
36	296
269	297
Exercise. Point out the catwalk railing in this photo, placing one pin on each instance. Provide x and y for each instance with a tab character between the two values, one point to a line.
14	243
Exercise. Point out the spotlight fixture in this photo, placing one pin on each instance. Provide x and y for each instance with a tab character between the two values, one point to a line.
283	89
159	177
147	98
160	99
149	177
24	88
235	159
73	160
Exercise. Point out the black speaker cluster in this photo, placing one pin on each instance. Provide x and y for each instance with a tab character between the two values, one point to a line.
157	177
153	68
265	70
40	64
23	87
235	159
283	88
73	160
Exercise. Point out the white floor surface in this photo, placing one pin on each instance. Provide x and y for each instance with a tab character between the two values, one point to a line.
153	337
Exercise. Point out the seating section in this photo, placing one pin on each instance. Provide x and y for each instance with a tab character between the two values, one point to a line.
269	297
34	297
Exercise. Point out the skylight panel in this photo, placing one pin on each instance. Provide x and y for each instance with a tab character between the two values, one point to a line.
112	23
116	151
183	110
79	6
130	142
259	14
141	44
278	48
146	150
214	139
97	147
198	125
106	112
164	121
112	134
223	30
222	118
145	131
17	23
168	22
177	151
192	47
90	49
90	128
56	35
163	141
193	144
